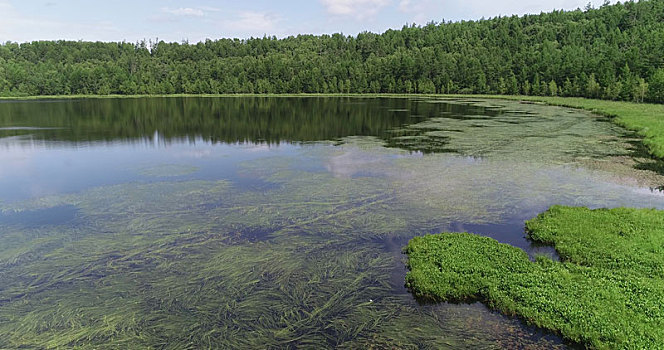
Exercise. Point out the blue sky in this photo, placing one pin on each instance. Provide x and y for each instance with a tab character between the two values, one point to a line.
196	20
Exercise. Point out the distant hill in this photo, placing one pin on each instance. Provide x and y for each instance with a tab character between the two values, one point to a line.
614	52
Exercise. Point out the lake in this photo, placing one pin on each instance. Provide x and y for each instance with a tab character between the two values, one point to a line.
256	222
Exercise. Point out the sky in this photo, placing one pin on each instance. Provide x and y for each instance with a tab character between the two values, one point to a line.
197	20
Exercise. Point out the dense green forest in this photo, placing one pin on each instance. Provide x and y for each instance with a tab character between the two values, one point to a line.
614	52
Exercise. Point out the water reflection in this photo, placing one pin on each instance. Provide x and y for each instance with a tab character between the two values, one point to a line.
227	120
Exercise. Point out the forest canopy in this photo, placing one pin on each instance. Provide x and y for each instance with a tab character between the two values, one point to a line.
613	52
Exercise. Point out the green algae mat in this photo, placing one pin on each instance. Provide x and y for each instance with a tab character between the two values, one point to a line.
646	119
196	223
607	292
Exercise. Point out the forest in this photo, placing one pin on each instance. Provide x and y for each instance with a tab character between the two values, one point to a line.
614	52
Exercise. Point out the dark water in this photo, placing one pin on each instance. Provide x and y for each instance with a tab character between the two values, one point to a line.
275	222
40	217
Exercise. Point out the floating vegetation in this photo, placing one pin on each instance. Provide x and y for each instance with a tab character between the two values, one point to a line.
512	130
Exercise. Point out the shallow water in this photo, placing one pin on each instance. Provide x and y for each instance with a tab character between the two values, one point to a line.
277	222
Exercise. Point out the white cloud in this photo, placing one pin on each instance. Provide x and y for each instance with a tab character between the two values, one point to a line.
20	22
404	5
354	161
422	11
209	9
257	23
16	158
18	27
184	11
419	10
354	8
7	17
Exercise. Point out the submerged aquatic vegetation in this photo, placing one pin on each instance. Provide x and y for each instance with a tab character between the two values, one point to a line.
608	291
510	129
300	264
170	265
168	170
644	118
295	246
205	294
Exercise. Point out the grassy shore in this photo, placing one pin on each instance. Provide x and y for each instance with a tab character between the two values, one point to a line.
606	293
645	119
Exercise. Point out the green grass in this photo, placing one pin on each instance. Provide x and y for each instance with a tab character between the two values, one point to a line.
606	293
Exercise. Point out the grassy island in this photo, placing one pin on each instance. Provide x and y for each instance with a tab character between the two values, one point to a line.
606	293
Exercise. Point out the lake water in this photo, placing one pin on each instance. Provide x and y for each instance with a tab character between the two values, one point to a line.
181	223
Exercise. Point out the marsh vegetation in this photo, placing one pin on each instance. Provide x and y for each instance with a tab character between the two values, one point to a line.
606	292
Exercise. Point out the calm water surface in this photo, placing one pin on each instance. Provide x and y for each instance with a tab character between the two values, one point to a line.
276	222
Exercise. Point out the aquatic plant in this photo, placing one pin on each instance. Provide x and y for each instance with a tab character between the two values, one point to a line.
607	292
642	118
309	257
168	170
191	264
499	128
201	264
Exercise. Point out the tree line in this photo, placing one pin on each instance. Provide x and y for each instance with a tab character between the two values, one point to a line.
613	52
